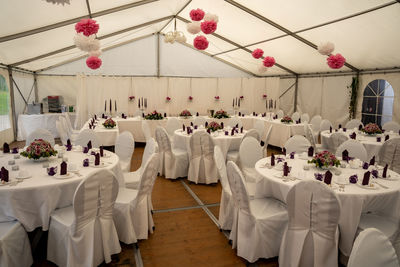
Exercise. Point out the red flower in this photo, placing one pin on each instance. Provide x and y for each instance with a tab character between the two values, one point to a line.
87	27
93	62
197	14
200	42
257	53
336	61
208	26
269	62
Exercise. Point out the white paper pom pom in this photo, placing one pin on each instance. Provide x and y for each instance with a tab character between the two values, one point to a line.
193	27
262	69
326	48
180	37
169	37
210	16
86	43
96	53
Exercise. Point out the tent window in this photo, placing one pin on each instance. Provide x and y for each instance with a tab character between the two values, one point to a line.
377	106
4	105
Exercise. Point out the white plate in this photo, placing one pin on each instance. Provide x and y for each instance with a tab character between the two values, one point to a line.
66	176
101	165
24	177
4	183
368	187
106	155
388	178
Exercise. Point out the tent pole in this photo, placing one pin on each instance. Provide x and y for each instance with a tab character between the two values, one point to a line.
12	101
36	87
158	55
295	93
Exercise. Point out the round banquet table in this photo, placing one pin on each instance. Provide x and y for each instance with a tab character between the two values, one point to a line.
107	137
33	200
225	142
355	199
281	132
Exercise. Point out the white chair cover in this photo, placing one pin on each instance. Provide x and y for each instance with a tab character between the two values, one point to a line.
132	179
354	123
325	125
337	138
309	135
137	113
173	124
65	125
85	234
258	224
40	133
225	216
68	120
355	149
146	130
298	144
124	148
132	210
173	162
235	121
312	234
15	250
391	126
371	249
199	121
316	124
62	133
390	154
266	142
295	116
259	126
305	117
280	114
202	168
250	152
85	136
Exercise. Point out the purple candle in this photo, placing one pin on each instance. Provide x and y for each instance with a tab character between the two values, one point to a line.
115	105
110	105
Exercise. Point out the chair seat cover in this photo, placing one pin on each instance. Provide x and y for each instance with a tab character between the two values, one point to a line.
40	134
85	136
132	179
298	144
353	124
355	149
390	154
124	148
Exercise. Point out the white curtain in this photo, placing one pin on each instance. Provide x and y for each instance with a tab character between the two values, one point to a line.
6	135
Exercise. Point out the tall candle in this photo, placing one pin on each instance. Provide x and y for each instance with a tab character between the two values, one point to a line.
145	102
239	103
110	105
138	104
233	102
115	105
105	105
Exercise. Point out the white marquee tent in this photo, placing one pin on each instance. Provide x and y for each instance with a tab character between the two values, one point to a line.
38	56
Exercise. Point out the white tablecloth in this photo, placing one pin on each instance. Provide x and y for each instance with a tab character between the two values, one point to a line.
354	200
32	201
29	123
281	132
107	137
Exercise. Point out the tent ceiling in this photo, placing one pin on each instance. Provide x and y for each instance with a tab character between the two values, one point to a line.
40	34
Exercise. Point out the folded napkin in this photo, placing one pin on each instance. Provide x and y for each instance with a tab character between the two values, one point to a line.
353	135
191	123
237	125
328	177
241	114
345	155
365	180
384	174
378	139
123	115
90	126
272	159
85	150
340	126
183	127
101	151
226	133
233	131
69	142
102	115
299	120
197	114
285	169
4	174
95	116
344	129
365	165
188	130
97	159
206	124
284	151
353	179
310	151
63	170
208	131
330	129
69	147
142	114
6	148
241	129
359	127
89	145
222	125
387	138
86	163
165	115
372	161
292	155
15	150
254	113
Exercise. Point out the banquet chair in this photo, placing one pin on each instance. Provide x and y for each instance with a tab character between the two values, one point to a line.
61	132
258	224
235	121
280	114
305	118
124	148
132	209
225	216
202	168
138	113
146	130
69	124
85	136
312	234
390	154
260	127
296	116
310	137
253	133
355	149
316	124
337	138
371	249
250	152
71	134
297	144
132	179
40	133
391	126
173	124
266	142
84	234
173	162
325	125
353	124
15	249
199	121
233	155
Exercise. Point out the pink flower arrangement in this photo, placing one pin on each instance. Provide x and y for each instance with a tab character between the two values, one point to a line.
200	42
131	98
168	99
221	114
190	98
372	128
214	126
264	96
93	62
39	149
286	119
336	61
269	62
208	26
109	123
216	97
241	97
185	113
257	53
87	27
325	159
196	14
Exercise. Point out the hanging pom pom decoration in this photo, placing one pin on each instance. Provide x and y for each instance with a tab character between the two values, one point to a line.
87	27
326	48
169	38
200	42
212	17
96	53
262	69
336	61
257	53
193	27
86	43
208	26
180	37
93	62
269	62
196	14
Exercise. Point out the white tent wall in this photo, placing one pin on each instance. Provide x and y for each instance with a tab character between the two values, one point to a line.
7	135
25	83
287	100
65	86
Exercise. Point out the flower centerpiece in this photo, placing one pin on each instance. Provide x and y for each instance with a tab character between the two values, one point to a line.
216	98
154	116
109	123
214	126
131	98
241	97
167	99
185	113
264	96
325	159
39	149
220	114
190	98
286	119
371	129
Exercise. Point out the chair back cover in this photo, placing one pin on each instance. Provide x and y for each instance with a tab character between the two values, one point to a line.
85	136
40	133
64	123
68	120
201	145
337	139
316	123
391	126
253	133
372	248
295	116
354	123
150	148
309	135
146	130
238	188
259	126
355	149
164	144
235	121
221	166
173	124
280	114
250	152
325	125
199	121
390	154
61	132
268	135
148	178
124	147
298	144
311	237
305	117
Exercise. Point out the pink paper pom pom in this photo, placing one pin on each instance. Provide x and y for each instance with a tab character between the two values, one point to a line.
87	27
208	26
257	53
269	62
336	61
197	14
93	62
200	42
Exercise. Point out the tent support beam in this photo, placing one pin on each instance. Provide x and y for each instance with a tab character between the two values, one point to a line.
12	100
177	13
88	7
36	88
290	87
279	27
100	38
158	55
71	21
296	88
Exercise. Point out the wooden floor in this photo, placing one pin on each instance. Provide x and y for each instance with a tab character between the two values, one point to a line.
185	233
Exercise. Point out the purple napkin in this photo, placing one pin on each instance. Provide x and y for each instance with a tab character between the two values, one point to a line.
142	114
85	150
195	127
365	165
89	145
188	130
92	153
241	129
90	126
328	177
95	116
69	147
353	135
233	131
387	138
372	161
344	129
101	151
97	159
15	150
241	114
52	171
378	139
197	114
310	151
4	174
69	142
359	127
284	151
123	115
86	163
384	174
102	115
285	169
222	125
206	124
365	180
297	122
353	179
237	125
63	170
254	113
399	132
340	126
318	176
208	131
183	127
226	133
272	159
165	115
330	129
292	155
345	155
374	173
191	124
6	148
